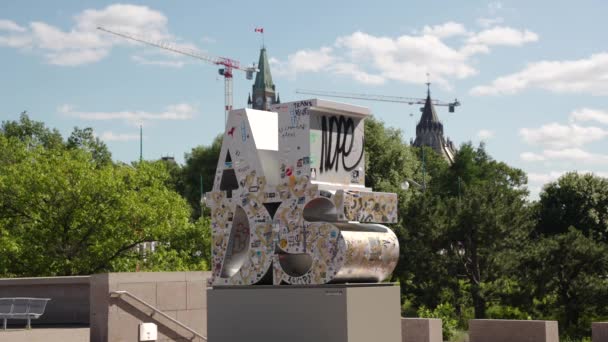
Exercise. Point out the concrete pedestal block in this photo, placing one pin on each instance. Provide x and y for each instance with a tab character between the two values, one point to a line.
599	331
506	330
421	330
336	313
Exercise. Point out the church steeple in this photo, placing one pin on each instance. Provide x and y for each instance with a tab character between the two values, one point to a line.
429	130
263	92
428	112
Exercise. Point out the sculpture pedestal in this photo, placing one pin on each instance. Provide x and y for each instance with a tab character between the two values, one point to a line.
336	313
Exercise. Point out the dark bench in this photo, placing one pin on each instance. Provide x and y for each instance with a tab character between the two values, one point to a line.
22	308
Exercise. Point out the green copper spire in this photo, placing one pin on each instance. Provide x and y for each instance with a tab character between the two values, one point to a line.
263	79
263	92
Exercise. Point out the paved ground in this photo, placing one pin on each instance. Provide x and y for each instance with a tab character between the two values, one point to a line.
45	335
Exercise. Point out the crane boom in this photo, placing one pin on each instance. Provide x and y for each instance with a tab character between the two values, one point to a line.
227	63
383	98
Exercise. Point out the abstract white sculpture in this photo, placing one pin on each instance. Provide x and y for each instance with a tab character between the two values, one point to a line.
289	201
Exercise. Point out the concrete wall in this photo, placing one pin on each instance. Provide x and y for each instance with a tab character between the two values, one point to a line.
421	330
599	331
181	295
69	303
505	330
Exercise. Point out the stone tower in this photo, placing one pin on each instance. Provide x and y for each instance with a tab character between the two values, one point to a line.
264	93
429	131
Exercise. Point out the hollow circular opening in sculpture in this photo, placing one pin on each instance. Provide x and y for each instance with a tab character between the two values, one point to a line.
320	209
238	244
295	265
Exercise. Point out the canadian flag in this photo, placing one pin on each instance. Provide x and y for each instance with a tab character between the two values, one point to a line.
259	29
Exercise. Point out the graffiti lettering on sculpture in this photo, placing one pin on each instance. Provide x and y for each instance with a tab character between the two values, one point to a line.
336	148
297	112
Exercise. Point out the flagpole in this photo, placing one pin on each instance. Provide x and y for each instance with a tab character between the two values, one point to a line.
261	31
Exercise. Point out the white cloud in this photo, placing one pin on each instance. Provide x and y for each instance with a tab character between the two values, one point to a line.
133	19
501	35
487	22
304	61
490	17
445	30
575	155
485	134
166	63
588	75
544	178
537	181
531	157
356	73
83	43
370	59
552	176
555	135
111	136
562	145
406	58
16	41
180	111
588	114
9	25
494	7
48	37
75	57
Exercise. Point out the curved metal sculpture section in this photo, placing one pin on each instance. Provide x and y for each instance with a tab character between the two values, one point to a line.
289	205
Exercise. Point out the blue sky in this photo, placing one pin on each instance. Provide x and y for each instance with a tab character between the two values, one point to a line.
532	77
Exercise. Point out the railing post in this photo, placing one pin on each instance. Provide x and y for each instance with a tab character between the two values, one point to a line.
27	313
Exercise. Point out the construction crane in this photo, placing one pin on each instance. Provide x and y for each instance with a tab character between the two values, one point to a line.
228	64
409	100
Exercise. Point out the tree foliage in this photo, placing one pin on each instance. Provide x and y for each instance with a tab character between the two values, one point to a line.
201	164
66	210
567	272
472	213
389	161
84	139
32	133
578	200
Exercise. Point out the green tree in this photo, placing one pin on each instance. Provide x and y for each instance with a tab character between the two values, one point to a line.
187	249
176	175
568	272
32	133
389	161
84	139
423	270
474	213
431	170
579	200
201	162
568	261
62	214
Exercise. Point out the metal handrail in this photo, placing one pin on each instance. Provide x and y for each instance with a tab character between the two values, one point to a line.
121	292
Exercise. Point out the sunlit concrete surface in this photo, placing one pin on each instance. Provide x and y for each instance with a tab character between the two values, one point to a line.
63	334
